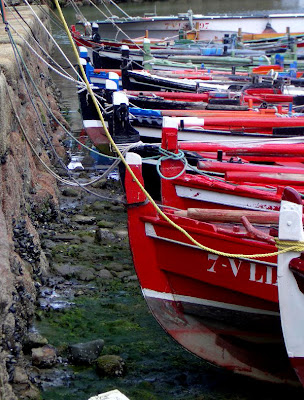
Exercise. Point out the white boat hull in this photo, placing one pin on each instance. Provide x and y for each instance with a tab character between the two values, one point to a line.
209	27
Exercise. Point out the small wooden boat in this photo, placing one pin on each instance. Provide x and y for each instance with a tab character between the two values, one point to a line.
203	27
228	310
233	101
145	81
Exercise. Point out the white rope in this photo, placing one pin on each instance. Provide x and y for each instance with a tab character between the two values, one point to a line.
66	130
64	75
117	6
57	177
36	42
51	37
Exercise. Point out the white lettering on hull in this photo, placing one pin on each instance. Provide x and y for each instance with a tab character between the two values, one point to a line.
257	273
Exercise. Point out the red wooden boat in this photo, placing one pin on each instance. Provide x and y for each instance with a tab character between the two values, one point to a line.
249	96
225	309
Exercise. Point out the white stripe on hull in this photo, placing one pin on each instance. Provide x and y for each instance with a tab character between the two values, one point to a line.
226	199
204	302
192	136
92	123
200	135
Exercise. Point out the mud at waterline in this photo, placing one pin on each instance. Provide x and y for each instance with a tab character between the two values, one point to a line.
93	293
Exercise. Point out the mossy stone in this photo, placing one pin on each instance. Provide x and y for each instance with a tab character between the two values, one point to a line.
110	365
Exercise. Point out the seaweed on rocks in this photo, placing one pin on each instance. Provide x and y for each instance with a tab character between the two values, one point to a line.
24	244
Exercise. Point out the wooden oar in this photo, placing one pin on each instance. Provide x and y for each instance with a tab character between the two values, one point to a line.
269	149
271	178
233	216
222	167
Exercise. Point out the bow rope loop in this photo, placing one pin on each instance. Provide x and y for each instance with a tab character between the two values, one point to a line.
168	155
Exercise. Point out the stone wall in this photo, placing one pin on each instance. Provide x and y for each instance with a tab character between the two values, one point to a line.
27	193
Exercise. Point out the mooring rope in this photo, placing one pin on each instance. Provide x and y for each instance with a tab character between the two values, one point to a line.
47	106
56	176
51	37
59	178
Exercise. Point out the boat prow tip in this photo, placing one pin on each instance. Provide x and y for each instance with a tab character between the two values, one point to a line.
292	195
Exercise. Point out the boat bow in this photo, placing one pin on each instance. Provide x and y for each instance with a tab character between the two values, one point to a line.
291	297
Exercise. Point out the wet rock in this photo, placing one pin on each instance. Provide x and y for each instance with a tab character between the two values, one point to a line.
106	224
67	270
33	340
62	172
121	233
48	244
128	266
123	274
87	239
84	220
83	175
70	192
44	357
79	293
110	365
115	266
98	267
132	278
32	393
19	375
98	206
104	235
52	281
25	389
85	353
118	209
51	377
87	275
101	184
66	237
104	274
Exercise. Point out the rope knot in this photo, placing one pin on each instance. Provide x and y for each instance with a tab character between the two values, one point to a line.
167	155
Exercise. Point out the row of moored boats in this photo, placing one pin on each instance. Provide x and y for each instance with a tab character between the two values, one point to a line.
216	132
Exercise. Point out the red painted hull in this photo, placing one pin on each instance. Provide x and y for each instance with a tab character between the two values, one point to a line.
221	309
298	365
257	96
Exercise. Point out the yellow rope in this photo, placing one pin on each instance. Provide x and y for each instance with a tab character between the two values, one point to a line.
297	247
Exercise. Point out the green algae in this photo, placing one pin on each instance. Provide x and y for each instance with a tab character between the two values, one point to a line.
156	367
121	318
92	253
